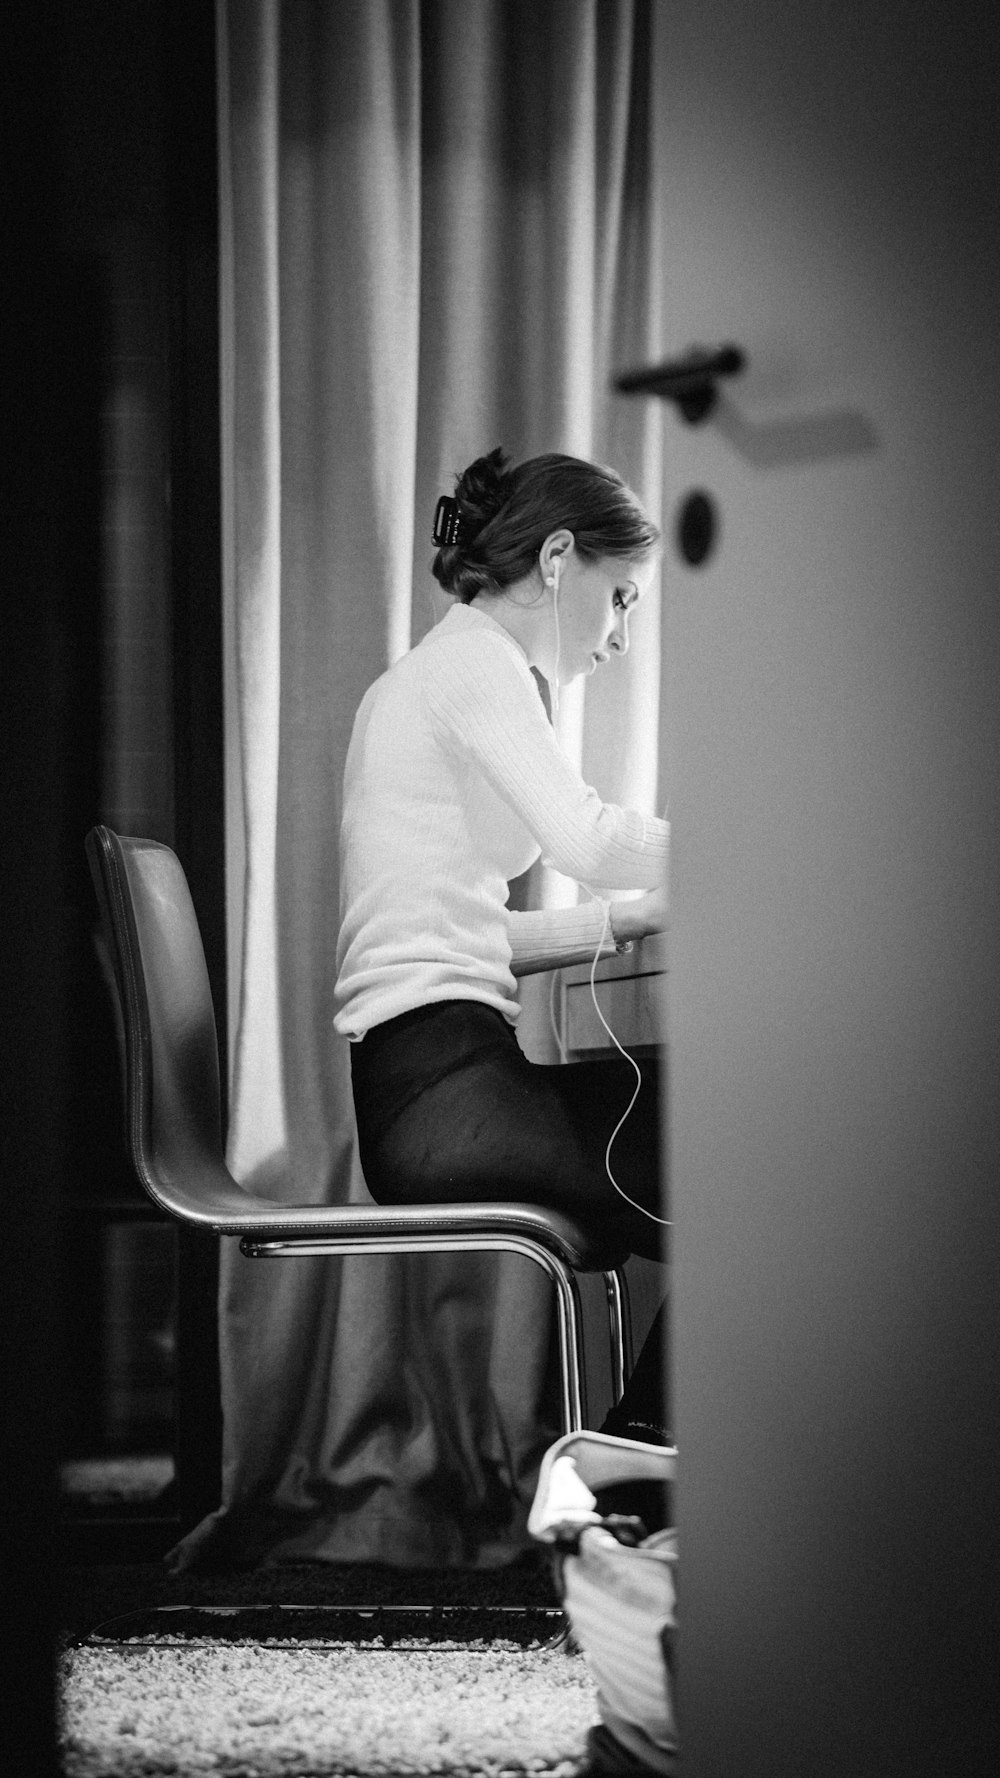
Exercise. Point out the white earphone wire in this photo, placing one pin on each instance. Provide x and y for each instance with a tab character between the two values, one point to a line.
662	1220
553	580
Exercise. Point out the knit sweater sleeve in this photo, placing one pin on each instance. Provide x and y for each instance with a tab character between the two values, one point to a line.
549	938
486	708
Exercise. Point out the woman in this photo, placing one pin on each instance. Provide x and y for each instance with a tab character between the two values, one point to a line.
454	784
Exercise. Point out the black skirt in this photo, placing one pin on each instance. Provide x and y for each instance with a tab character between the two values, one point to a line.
450	1110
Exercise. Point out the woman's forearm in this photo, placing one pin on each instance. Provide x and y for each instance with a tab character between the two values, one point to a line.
560	960
558	938
554	938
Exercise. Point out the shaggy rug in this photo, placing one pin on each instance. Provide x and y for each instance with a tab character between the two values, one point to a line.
312	1671
278	1708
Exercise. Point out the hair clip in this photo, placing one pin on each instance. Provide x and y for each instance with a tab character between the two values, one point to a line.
447	522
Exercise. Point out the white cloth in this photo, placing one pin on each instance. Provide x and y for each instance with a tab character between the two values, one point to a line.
454	784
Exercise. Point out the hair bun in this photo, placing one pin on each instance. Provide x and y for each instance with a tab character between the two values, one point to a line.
481	490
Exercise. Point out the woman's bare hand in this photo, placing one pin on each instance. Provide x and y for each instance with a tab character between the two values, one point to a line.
639	918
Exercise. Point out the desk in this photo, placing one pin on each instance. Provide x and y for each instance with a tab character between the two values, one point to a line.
629	993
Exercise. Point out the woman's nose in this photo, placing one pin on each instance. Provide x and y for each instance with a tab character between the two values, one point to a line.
618	639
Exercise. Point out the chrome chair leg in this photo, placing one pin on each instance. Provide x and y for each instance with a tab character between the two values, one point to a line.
620	1329
570	1321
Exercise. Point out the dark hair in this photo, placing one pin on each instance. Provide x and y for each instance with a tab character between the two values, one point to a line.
507	513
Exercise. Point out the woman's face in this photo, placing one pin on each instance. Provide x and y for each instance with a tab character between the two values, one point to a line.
593	602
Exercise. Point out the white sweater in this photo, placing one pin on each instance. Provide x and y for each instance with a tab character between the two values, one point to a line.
454	784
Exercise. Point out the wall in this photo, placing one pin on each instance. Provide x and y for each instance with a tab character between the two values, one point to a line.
110	84
833	731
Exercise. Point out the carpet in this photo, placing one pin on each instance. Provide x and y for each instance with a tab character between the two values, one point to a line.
310	1709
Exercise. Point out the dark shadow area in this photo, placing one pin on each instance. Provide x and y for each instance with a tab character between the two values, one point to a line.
52	310
299	1599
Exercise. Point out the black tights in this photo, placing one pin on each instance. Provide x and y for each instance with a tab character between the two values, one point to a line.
450	1110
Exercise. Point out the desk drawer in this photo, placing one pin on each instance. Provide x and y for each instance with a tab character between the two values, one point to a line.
631	1005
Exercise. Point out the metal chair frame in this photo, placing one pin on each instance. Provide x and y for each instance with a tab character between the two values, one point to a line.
174	1127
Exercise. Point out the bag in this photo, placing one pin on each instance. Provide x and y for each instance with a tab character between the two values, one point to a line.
618	1586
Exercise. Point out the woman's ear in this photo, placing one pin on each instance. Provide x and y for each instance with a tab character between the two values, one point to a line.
556	548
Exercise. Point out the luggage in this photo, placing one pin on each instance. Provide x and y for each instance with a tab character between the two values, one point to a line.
618	1584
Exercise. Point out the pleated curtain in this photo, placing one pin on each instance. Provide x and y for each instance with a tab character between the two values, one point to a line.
437	237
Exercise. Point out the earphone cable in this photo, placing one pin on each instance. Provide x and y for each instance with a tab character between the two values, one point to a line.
554	688
662	1220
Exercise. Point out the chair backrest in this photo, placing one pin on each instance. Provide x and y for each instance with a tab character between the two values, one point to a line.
173	1109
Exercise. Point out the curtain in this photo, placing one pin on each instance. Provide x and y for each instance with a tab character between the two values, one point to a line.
436	238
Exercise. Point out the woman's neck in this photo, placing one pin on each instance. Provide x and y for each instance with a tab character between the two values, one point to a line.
524	610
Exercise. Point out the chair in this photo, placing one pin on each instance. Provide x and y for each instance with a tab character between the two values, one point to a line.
174	1129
